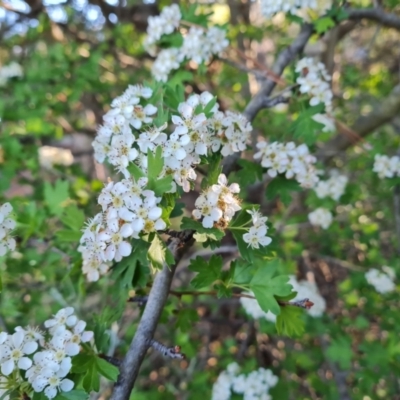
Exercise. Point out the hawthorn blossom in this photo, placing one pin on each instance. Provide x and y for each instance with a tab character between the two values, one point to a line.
13	351
320	217
382	281
386	167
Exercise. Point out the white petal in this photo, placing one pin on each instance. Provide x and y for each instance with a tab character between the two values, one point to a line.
125	249
155	213
208	222
17	338
5	209
66	385
160	225
24	363
87	336
50	392
30	347
7	367
72	349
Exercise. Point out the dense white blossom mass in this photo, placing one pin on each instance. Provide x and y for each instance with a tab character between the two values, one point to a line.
45	357
382	281
296	7
198	44
333	187
320	217
386	167
253	386
287	158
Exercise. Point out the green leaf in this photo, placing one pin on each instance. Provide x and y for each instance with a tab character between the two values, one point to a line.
91	380
340	351
135	171
324	24
159	254
209	106
289	321
106	369
73	218
239	226
126	270
207	272
305	128
177	210
72	395
81	362
266	286
160	186
187	317
249	173
56	196
244	272
155	163
282	187
68	236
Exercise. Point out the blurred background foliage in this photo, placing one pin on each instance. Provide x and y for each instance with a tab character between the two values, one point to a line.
76	57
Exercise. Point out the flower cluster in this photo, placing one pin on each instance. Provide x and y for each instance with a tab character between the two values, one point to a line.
386	167
128	134
320	217
257	234
198	44
6	226
334	187
255	385
296	7
314	80
128	210
305	290
12	70
217	205
294	162
46	369
382	281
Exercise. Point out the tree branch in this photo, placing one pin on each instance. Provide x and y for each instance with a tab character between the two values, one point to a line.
375	14
142	340
259	100
364	125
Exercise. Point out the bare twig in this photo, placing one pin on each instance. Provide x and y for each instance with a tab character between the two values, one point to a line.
130	366
171	352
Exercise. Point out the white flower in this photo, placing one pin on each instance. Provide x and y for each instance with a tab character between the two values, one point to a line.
386	167
61	318
320	217
13	350
166	61
334	187
7	242
381	281
206	208
256	237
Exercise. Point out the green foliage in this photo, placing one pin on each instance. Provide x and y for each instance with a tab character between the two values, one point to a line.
304	128
289	321
207	272
323	25
56	196
266	285
282	187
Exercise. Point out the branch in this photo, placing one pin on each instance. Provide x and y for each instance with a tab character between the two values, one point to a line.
375	14
144	334
259	100
364	125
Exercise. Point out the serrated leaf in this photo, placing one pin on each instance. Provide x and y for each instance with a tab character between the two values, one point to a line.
249	173
80	362
266	286
289	322
177	210
135	171
73	218
56	196
106	369
282	187
159	254
160	186
305	128
244	272
239	226
91	380
213	172
155	163
207	272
